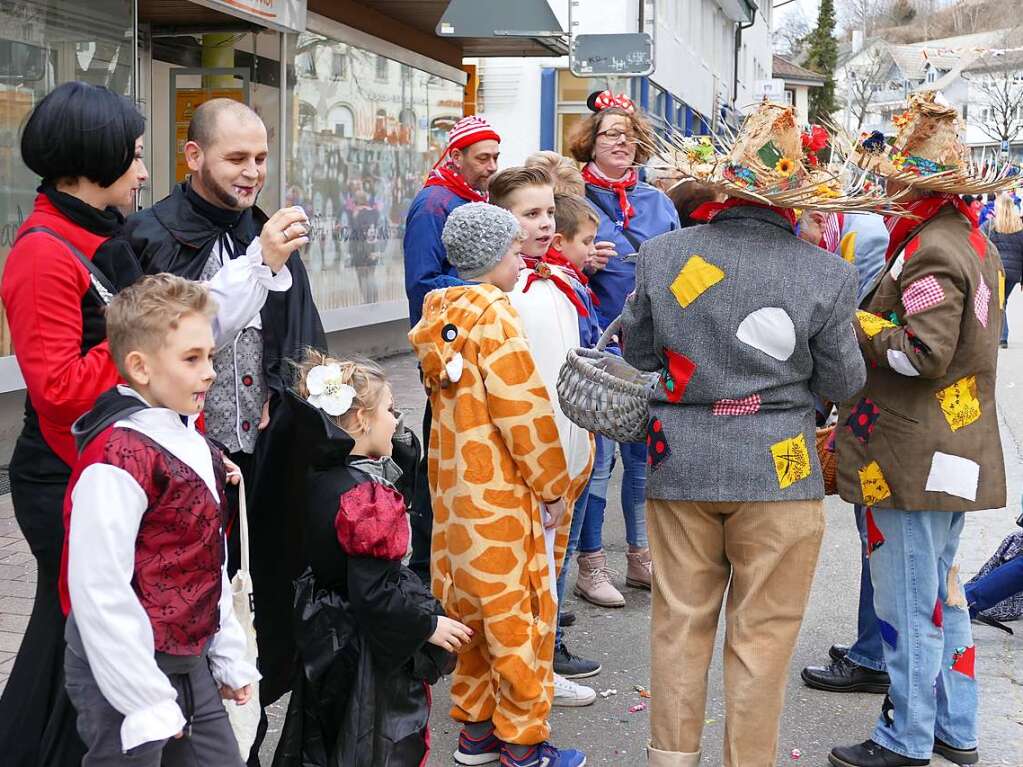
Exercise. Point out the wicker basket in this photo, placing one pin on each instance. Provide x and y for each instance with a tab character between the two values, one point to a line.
828	459
602	393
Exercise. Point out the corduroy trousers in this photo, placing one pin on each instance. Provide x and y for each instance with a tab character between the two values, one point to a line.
765	554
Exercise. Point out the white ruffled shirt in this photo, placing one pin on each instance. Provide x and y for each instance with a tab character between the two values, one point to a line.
240	288
107	509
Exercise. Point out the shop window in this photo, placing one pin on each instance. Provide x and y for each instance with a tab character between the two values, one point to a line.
572	93
42	44
357	164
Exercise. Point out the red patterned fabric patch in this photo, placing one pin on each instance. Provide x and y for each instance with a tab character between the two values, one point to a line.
875	538
981	300
744	406
938	617
676	377
657	449
862	419
979	243
371	522
963	660
923	294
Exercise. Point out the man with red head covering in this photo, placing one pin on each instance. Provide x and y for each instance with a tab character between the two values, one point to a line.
461	175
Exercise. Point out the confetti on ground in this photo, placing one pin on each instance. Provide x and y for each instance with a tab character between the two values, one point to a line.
709	721
637	708
608	693
796	753
643	691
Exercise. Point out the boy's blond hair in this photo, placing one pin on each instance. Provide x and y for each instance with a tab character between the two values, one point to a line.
510	180
568	179
367	378
570	213
140	317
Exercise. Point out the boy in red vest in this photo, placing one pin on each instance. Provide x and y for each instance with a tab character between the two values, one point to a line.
153	643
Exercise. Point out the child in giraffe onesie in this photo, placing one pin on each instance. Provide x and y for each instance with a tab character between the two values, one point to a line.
497	476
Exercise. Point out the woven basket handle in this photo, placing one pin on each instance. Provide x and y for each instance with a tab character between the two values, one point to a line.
605	338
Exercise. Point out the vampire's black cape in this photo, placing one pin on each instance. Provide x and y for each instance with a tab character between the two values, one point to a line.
175	236
360	696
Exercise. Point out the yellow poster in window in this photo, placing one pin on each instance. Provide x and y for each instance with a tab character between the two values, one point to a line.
791	460
871	323
873	484
959	403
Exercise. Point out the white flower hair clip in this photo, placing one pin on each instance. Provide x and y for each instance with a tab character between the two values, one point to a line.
327	392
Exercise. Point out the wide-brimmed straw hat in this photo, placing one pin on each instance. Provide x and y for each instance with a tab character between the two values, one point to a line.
771	162
928	153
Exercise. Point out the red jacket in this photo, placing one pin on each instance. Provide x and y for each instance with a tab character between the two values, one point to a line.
42	290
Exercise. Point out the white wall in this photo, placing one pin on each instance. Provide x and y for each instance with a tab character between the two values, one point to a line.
510	99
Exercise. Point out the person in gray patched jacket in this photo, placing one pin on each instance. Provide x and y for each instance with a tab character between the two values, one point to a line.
745	324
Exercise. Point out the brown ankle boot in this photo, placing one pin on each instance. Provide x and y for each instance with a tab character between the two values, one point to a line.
640	569
594	581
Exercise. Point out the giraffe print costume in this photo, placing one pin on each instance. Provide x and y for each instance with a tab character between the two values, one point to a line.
494	457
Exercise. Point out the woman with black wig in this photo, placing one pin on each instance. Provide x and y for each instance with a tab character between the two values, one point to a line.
85	142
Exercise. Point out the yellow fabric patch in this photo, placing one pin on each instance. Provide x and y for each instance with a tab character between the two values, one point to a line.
791	460
959	402
848	247
693	279
1001	290
871	323
873	484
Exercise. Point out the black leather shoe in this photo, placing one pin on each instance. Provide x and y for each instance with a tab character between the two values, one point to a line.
845	676
838	651
566	618
870	754
572	666
956	755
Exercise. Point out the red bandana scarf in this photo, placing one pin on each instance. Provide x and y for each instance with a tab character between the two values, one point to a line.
921	211
557	258
621	187
709	210
449	178
541	270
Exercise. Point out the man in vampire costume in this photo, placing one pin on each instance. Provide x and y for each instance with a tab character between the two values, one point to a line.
206	221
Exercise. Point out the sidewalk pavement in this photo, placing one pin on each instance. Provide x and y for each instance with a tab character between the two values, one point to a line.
813	721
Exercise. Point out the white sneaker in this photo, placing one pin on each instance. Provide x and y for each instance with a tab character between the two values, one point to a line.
568	693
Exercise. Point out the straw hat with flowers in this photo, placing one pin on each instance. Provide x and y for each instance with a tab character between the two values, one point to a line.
927	152
771	162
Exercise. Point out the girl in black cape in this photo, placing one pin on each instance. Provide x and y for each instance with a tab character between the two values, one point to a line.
371	638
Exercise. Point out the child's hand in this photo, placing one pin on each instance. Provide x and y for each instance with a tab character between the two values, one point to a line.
555	511
450	634
234	474
240	696
605	251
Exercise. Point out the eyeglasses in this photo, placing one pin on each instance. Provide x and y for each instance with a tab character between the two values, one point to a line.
612	135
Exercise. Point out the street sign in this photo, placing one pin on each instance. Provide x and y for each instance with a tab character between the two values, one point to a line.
771	90
630	53
499	18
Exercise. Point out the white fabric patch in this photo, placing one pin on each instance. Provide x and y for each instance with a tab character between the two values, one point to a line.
899	362
454	368
771	331
896	271
953	475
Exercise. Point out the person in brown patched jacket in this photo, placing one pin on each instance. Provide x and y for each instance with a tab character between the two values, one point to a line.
920	445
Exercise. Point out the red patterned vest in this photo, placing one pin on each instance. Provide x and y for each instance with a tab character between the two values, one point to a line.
179	551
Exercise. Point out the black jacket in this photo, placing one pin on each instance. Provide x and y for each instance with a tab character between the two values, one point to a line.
361	620
1010	248
175	236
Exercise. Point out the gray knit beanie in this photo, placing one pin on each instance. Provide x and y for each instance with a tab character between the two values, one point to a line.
476	236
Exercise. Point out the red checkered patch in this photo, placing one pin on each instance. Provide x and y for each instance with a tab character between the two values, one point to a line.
921	295
981	301
745	406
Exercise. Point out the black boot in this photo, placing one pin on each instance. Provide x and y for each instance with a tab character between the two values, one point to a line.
572	666
845	676
870	754
956	755
838	651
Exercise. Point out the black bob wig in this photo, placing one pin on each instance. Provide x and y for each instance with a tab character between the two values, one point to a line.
79	130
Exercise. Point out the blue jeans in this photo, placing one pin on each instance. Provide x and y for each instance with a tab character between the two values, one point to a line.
1005	315
928	645
578	515
633	494
866	650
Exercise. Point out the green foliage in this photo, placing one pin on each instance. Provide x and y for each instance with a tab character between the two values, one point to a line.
822	58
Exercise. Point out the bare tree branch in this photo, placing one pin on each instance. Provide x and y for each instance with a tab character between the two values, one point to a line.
863	80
